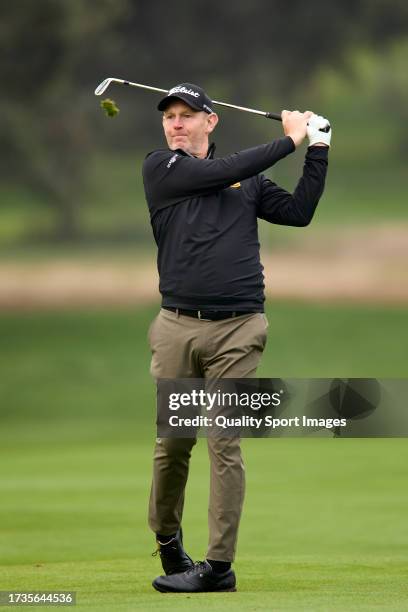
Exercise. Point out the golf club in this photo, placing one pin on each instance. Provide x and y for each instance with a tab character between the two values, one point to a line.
102	87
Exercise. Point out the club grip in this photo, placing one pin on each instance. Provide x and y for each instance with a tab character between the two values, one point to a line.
273	116
279	118
326	129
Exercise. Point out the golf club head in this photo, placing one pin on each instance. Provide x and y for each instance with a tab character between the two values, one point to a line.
103	86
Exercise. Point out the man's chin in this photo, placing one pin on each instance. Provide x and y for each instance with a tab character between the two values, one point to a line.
179	141
180	144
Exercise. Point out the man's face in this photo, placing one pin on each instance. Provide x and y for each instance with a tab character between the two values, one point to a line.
186	128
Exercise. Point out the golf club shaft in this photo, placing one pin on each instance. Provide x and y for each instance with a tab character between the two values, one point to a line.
105	84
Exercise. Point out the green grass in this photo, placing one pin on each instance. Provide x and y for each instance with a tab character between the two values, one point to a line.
103	356
324	519
320	340
323	526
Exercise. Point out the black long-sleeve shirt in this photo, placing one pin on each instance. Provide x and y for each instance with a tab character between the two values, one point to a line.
204	218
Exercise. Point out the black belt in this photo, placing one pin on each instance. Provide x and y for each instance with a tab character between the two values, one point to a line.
209	315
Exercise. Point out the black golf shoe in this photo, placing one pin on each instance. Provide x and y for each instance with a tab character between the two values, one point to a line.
174	558
201	578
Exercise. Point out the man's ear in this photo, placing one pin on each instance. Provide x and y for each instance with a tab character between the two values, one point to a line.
212	121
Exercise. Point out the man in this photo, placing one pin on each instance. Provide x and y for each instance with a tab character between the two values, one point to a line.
204	215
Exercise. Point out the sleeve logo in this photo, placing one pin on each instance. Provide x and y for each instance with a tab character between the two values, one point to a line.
172	160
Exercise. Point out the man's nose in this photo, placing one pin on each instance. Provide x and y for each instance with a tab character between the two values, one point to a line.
178	123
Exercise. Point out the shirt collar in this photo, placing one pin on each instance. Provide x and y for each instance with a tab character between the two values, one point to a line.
210	152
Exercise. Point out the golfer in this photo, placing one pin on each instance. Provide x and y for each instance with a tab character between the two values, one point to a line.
211	324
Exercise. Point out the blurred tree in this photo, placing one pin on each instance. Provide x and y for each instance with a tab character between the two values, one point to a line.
46	133
253	46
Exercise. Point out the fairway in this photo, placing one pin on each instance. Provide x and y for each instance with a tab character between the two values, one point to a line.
324	521
323	526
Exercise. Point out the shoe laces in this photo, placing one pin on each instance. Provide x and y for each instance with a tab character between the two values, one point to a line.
159	549
198	567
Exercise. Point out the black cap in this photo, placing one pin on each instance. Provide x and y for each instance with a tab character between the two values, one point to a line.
191	94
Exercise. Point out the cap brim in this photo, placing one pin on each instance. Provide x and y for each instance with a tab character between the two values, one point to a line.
164	102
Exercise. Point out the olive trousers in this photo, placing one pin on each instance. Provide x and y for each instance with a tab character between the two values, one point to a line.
185	347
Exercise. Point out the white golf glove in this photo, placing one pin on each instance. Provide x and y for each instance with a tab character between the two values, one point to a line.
314	133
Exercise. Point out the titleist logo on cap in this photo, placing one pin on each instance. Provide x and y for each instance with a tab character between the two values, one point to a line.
183	89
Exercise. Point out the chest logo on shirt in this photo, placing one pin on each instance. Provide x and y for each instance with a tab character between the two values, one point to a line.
236	185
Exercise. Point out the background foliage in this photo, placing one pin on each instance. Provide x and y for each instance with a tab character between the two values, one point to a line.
59	155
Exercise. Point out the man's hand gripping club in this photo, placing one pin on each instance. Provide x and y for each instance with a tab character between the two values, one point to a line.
299	125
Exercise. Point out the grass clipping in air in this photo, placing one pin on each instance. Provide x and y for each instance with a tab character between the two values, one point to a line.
110	108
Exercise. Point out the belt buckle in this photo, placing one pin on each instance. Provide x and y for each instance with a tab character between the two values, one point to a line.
201	318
